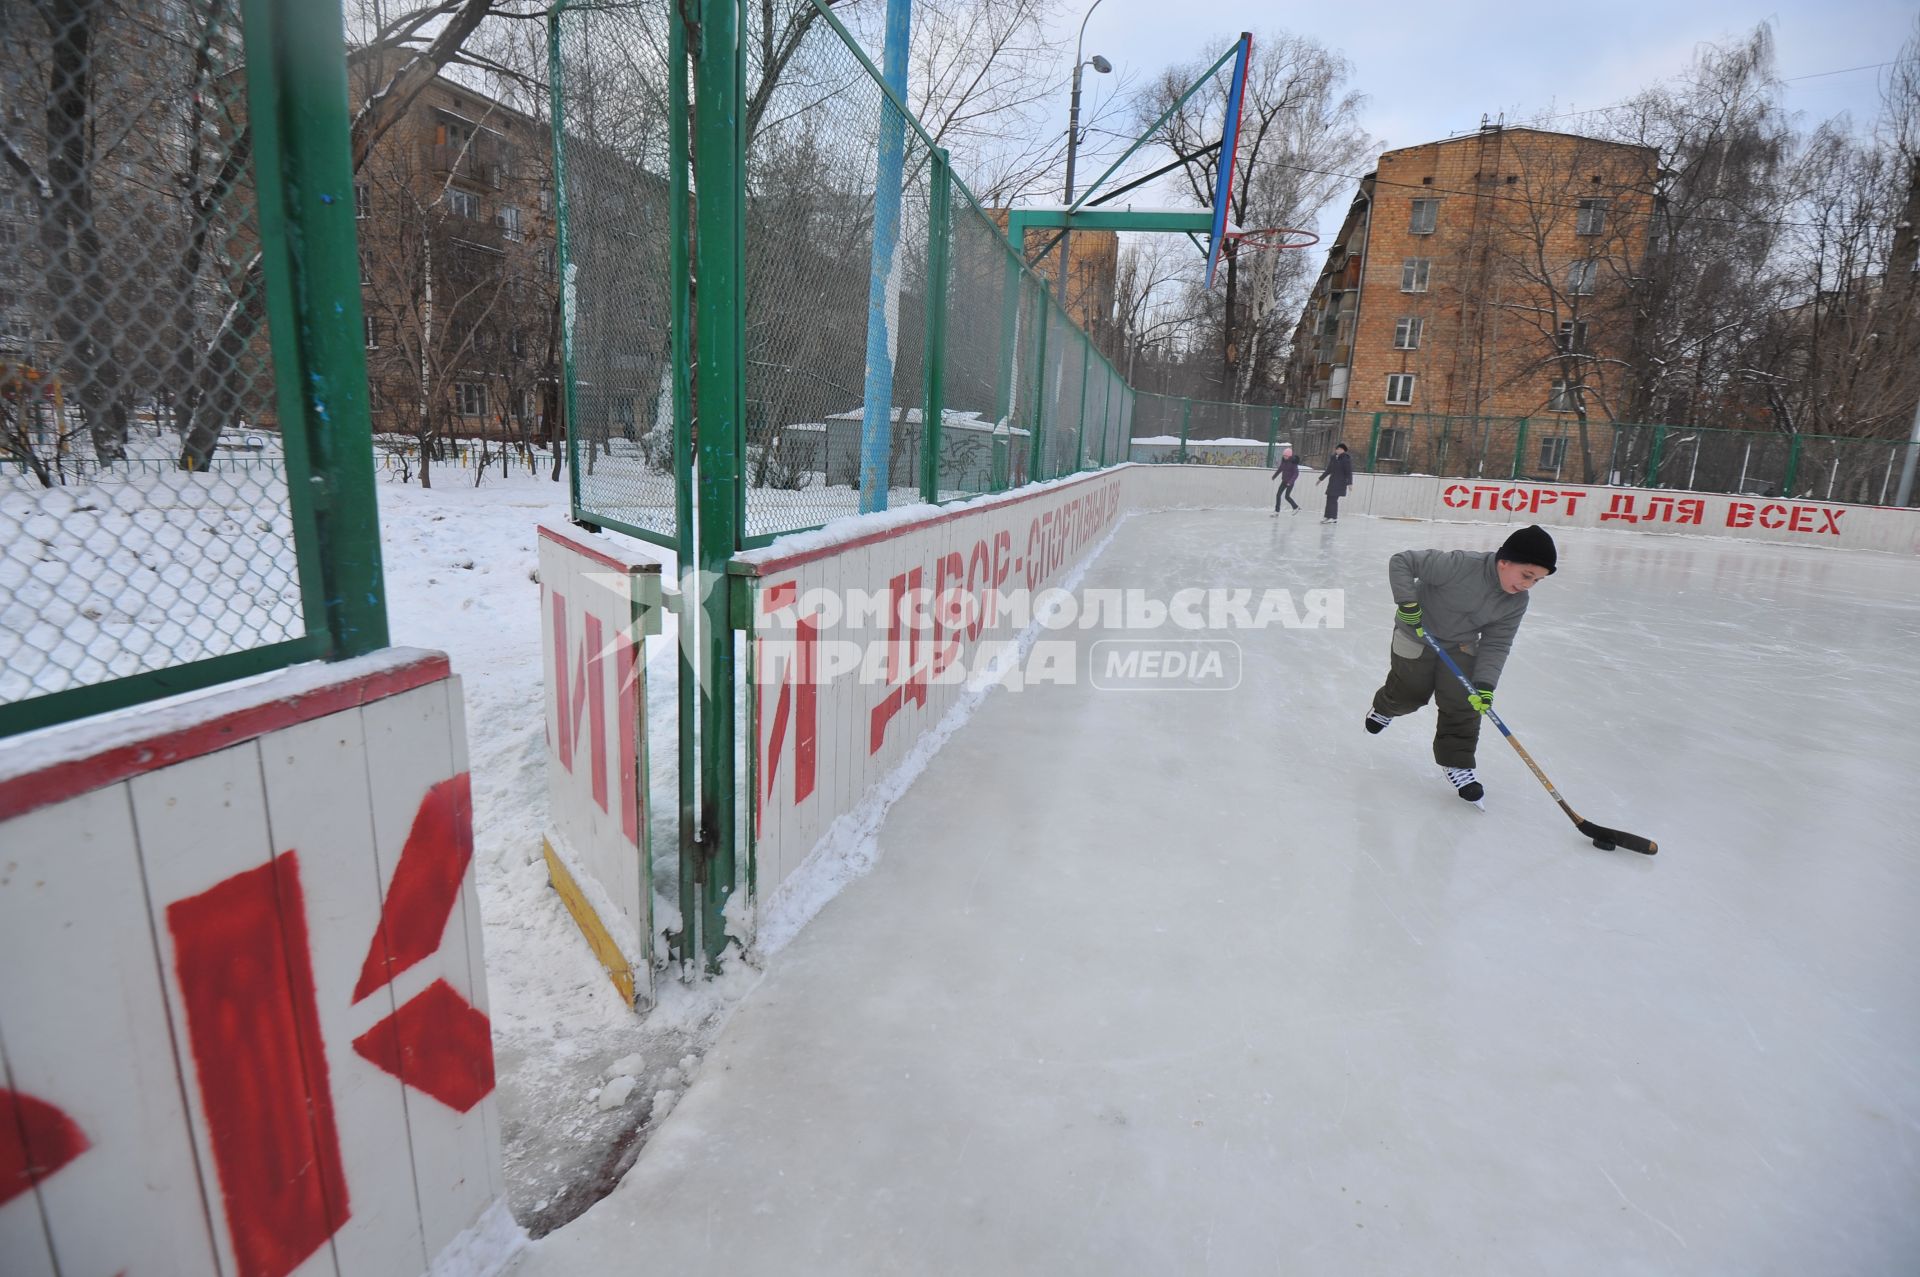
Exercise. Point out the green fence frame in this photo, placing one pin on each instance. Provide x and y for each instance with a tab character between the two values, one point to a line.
310	263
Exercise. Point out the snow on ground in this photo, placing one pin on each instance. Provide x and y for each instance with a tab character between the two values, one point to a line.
140	567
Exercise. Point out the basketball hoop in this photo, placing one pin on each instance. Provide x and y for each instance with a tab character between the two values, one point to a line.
1273	237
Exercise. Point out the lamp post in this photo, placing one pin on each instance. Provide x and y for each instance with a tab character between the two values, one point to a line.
1102	66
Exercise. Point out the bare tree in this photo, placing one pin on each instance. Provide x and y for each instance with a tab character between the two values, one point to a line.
1723	143
1549	287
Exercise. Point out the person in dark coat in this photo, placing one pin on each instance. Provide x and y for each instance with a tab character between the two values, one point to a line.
1338	476
1288	473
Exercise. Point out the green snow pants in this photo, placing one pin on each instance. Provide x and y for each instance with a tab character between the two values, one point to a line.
1416	676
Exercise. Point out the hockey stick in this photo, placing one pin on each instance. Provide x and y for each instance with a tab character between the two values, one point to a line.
1603	838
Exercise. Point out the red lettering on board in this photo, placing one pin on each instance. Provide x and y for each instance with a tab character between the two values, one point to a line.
246	982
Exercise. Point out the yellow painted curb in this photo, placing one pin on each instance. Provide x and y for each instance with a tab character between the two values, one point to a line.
598	939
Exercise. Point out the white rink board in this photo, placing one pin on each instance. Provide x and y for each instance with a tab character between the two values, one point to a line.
821	743
252	1026
596	597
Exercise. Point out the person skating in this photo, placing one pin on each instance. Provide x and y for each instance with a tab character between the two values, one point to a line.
1471	602
1288	473
1338	476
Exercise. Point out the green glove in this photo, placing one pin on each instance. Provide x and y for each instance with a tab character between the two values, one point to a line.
1481	698
1409	615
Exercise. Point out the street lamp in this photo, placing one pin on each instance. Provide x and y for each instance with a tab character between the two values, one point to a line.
1101	66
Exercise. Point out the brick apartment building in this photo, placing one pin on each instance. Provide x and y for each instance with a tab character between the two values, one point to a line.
1476	282
456	231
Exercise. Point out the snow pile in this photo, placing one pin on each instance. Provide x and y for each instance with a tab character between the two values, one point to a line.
487	1248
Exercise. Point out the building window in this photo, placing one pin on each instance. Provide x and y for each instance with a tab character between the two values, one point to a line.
1565	396
1573	336
470	398
1581	276
1413	274
1393	444
463	204
509	220
1592	217
366	272
362	200
1400	388
1553	454
17	332
373	332
1406	333
1426	215
9	233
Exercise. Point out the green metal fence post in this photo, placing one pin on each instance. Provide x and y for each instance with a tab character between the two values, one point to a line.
297	100
939	230
720	158
1373	444
1793	465
1009	341
1520	448
1036	462
1186	417
1653	462
1080	432
563	253
681	944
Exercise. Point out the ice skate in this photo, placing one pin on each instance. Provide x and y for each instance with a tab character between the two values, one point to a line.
1377	722
1467	785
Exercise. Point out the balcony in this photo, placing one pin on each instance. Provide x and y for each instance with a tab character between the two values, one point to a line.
477	162
477	232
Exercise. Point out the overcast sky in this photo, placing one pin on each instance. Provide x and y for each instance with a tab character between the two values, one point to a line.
1432	68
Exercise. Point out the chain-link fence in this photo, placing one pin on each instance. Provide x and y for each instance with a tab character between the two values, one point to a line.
612	109
839	201
983	446
1554	449
1171	428
895	347
147	517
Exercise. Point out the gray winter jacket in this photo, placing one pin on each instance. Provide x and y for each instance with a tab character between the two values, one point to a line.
1461	602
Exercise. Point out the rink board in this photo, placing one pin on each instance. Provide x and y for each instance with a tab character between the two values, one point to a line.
599	599
1780	520
248	1024
1785	521
840	697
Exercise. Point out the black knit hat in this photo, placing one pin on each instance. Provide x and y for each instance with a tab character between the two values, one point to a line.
1530	544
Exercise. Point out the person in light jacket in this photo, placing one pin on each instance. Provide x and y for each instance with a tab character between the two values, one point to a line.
1288	473
1471	603
1338	476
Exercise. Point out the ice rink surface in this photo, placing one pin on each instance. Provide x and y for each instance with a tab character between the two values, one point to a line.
1214	982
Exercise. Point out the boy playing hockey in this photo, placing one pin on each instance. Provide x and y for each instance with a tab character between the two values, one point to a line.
1471	603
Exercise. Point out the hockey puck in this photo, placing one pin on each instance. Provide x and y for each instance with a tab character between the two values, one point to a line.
1603	844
